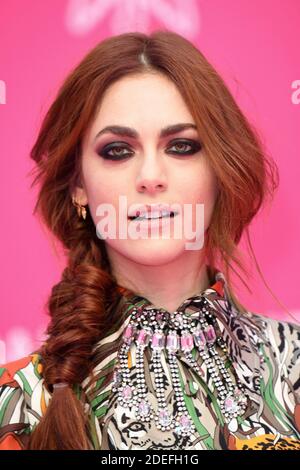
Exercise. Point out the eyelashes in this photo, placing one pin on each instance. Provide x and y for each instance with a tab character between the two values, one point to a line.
121	150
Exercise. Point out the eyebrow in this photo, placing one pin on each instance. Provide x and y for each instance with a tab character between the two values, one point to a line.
130	132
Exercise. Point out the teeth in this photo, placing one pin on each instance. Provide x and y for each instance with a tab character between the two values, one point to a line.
165	213
155	214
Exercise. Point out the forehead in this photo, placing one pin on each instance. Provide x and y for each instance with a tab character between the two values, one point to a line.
146	101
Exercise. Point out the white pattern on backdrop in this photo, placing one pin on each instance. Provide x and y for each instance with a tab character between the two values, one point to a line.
82	16
19	342
2	92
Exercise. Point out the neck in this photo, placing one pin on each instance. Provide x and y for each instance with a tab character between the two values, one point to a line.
165	286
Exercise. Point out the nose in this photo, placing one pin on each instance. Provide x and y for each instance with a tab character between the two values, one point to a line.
151	185
151	179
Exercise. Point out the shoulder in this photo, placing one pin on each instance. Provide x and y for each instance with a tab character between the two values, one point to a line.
281	341
26	367
277	332
23	373
18	379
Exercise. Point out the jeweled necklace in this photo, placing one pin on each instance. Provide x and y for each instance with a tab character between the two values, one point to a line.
170	333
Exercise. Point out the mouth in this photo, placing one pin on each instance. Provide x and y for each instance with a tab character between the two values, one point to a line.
153	216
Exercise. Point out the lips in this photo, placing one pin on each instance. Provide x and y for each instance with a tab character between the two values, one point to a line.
152	212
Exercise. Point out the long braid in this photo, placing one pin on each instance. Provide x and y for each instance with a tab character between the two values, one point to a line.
79	316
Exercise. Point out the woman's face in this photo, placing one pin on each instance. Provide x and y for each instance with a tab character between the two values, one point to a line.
168	169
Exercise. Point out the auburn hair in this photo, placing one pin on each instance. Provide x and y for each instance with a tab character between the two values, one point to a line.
83	305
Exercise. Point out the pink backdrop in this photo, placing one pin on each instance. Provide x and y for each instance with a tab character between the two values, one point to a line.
254	44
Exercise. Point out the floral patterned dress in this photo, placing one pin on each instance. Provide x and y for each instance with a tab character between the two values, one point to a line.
264	357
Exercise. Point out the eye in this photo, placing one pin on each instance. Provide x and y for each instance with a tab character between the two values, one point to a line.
182	144
114	151
120	151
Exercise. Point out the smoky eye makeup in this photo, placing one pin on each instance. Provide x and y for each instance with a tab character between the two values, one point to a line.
120	150
116	150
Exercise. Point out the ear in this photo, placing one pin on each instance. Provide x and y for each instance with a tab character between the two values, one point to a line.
80	195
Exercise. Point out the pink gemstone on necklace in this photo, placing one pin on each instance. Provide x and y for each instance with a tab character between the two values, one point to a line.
127	392
143	338
210	334
128	332
158	341
172	341
185	424
187	342
230	405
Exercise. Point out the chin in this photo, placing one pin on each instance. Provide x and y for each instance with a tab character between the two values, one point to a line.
151	252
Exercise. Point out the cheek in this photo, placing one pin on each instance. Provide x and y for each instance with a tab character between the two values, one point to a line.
200	186
104	188
202	190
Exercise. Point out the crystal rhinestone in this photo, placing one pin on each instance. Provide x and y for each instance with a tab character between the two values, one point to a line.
164	418
210	334
143	337
184	425
199	338
144	408
187	342
158	340
129	332
179	318
172	341
127	393
230	405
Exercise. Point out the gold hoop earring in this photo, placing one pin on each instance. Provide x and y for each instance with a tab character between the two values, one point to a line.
81	210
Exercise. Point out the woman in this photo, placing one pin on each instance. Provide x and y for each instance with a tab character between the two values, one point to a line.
147	346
